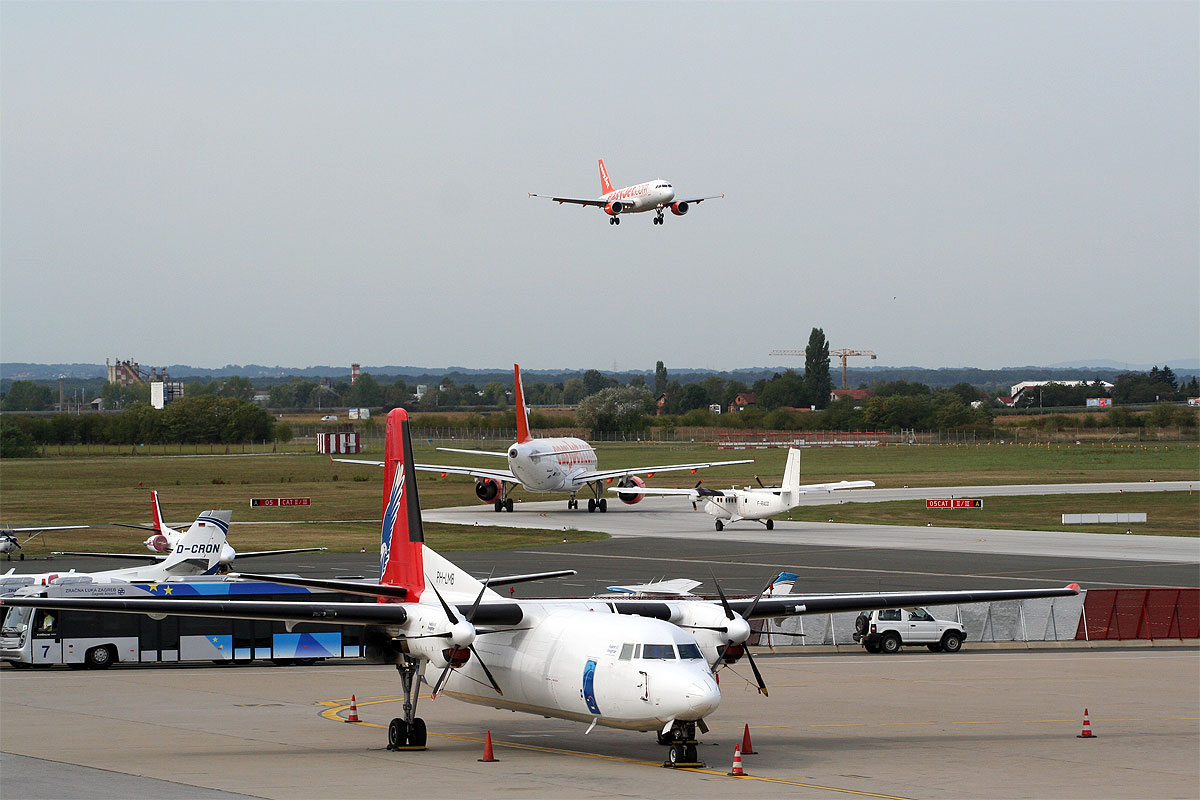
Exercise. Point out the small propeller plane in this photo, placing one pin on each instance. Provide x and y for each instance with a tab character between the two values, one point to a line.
11	543
639	665
164	539
759	504
656	195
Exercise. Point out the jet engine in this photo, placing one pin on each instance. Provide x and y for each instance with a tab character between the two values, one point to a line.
631	481
614	208
158	543
679	209
487	489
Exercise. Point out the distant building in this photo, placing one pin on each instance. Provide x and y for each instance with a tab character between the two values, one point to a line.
165	392
742	400
714	408
659	403
858	395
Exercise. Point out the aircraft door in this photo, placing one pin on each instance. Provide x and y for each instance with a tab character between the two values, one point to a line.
46	637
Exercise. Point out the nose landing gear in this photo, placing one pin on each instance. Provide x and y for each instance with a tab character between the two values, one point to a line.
658	219
683	744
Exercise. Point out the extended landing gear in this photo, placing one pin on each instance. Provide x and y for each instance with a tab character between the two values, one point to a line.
770	523
720	525
408	733
572	504
614	220
503	505
658	219
684	747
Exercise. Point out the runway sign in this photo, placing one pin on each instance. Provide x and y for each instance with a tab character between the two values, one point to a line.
279	502
954	503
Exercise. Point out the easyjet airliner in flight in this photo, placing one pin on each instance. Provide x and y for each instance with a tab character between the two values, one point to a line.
656	196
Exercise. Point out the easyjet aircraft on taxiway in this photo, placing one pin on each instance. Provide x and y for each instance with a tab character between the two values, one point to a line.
657	196
561	464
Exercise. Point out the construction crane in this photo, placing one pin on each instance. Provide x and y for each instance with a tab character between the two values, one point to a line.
842	353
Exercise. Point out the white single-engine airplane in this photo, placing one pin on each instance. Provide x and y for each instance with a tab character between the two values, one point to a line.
657	196
164	539
762	503
9	543
642	665
565	464
197	552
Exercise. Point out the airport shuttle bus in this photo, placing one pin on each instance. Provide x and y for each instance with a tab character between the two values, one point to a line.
92	640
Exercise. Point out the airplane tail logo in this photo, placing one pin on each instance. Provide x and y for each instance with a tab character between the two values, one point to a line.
523	412
157	512
605	184
402	537
791	472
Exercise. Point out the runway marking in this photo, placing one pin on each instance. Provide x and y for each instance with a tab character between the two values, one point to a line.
332	713
980	722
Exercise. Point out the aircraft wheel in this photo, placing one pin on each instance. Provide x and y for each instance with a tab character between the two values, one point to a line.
678	753
720	525
616	220
602	505
591	505
417	735
508	504
498	506
690	753
770	524
397	733
612	220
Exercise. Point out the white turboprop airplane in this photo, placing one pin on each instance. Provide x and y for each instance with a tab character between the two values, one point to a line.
165	538
656	196
549	465
642	665
197	552
760	504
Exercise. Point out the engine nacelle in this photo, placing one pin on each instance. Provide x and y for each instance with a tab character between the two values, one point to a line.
228	554
679	209
158	543
487	490
631	481
614	208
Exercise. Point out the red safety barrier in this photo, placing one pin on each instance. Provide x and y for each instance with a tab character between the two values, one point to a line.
1140	614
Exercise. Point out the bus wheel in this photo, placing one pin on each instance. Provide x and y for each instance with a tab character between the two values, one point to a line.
100	657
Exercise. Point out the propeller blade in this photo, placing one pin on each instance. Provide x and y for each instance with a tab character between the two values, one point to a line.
760	483
445	606
721	594
487	671
475	605
750	611
437	687
762	685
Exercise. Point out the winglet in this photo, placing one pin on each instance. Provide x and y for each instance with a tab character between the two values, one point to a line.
605	184
1074	586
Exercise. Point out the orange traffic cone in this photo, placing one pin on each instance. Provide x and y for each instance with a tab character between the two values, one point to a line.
737	763
747	747
1086	733
353	715
487	749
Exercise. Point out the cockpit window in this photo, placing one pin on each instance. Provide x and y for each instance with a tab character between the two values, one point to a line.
689	651
662	651
626	652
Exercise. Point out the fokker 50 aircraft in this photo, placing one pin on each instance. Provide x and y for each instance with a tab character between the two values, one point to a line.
197	552
641	665
165	538
549	465
657	196
761	503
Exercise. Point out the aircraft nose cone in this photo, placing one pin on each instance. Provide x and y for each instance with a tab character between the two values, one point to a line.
703	697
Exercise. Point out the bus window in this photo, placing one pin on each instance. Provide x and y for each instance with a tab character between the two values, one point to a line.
47	623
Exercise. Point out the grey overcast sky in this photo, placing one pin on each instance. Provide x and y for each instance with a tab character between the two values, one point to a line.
948	184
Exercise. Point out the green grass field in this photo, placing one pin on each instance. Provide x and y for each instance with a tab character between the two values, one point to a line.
102	489
1167	513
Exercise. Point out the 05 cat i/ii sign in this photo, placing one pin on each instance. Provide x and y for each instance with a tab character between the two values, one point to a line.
954	503
279	502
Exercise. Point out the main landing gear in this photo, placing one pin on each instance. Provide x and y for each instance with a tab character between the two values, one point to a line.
614	220
503	505
683	744
408	733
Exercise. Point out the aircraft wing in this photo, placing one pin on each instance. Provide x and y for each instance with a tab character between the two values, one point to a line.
831	487
576	200
138	556
640	490
257	553
793	604
605	474
697	200
674	587
41	528
474	452
474	472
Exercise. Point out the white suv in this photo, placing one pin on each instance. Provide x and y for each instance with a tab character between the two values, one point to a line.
888	630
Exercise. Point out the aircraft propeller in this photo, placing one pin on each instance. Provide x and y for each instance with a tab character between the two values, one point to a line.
462	634
737	630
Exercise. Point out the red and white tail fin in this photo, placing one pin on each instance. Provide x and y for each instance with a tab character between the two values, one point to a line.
156	512
402	537
605	183
522	411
